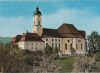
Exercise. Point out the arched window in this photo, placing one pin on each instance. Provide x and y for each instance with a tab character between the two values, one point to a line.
81	46
76	46
39	15
39	22
55	39
71	46
46	44
66	46
59	40
46	39
52	39
55	44
52	45
59	45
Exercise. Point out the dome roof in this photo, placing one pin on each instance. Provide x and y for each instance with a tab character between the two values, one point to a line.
37	12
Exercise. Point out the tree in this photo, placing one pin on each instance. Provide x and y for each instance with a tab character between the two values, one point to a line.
93	42
48	65
56	50
48	50
86	64
11	59
15	60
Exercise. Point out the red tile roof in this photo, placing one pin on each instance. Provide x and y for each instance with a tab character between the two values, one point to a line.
27	37
31	37
16	38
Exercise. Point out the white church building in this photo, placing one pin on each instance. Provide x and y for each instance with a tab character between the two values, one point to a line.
66	37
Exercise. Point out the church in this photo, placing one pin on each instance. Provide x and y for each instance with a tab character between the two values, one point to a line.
66	37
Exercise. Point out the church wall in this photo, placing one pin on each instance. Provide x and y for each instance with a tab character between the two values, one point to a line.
81	46
77	43
66	45
33	46
53	42
21	45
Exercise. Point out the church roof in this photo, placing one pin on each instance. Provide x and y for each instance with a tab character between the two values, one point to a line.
16	38
37	12
68	30
50	33
31	37
27	37
64	31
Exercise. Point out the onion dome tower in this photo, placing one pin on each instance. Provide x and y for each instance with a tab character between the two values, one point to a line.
37	22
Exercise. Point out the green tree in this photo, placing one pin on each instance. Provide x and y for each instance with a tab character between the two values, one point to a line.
48	50
11	59
56	50
93	42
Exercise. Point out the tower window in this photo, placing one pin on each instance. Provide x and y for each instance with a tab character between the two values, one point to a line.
34	22
66	46
39	22
39	15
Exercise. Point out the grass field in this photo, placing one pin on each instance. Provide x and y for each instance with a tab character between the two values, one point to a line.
67	64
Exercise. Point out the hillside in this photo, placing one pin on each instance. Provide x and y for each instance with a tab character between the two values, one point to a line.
5	39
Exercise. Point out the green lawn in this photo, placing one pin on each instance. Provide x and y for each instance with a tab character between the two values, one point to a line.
67	64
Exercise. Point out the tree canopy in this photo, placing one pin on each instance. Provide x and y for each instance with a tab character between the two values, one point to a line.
93	42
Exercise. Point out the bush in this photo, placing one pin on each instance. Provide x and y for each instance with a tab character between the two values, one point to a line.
48	50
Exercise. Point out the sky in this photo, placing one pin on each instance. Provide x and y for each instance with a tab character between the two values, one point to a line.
16	17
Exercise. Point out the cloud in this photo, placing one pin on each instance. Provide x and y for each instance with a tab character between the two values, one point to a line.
83	19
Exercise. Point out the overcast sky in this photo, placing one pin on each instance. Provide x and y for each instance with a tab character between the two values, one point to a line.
16	17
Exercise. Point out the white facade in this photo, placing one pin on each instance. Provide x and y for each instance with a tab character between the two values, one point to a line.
30	45
65	44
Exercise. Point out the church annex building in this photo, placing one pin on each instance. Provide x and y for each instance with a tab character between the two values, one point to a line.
65	37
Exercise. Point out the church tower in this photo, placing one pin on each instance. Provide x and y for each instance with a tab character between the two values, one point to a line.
37	28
